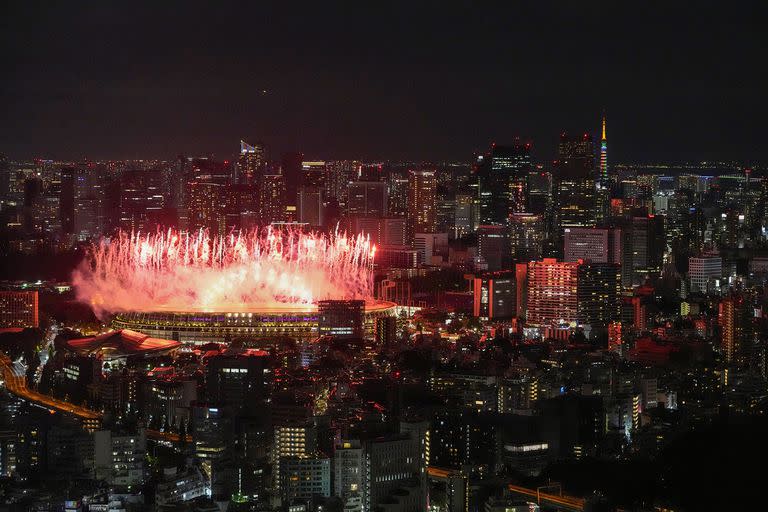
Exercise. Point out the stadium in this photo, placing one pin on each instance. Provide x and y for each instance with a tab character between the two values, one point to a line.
197	327
197	288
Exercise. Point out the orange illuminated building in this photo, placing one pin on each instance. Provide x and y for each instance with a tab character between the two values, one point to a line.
552	292
732	321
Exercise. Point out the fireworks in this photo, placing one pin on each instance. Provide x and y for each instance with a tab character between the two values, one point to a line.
182	271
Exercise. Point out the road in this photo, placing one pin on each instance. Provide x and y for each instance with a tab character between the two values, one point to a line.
552	500
15	383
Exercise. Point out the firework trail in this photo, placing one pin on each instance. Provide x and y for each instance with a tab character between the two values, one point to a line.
183	271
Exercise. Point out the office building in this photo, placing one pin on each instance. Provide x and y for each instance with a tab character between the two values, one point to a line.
180	486
272	198
432	247
422	201
552	293
735	327
349	474
313	174
302	478
599	245
495	296
19	308
705	273
119	458
503	182
394	466
204	207
310	206
142	201
367	199
526	236
342	319
598	293
239	379
339	175
250	163
464	215
493	249
574	183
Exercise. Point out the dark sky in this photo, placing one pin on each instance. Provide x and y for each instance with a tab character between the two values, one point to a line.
422	81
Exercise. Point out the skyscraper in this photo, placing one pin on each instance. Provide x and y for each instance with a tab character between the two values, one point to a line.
272	203
205	210
422	201
575	191
503	182
142	200
339	174
733	317
310	206
598	292
250	162
367	198
552	292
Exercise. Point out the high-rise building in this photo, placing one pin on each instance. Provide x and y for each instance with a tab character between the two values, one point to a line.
705	273
18	308
313	174
367	199
572	293
88	203
213	440
495	295
301	478
204	208
67	200
503	182
293	178
493	247
339	175
395	473
250	163
552	293
464	215
574	183
5	179
272	199
310	206
526	236
398	185
349	474
430	245
598	293
422	201
733	317
119	458
142	201
341	318
238	379
600	245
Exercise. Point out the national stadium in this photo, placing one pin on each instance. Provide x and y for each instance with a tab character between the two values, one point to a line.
195	288
300	323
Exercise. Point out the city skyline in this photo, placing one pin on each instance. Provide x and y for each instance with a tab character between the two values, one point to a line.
408	257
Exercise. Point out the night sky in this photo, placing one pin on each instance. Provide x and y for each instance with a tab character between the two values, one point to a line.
382	79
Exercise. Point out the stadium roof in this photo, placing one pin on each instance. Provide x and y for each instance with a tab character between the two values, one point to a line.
122	342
